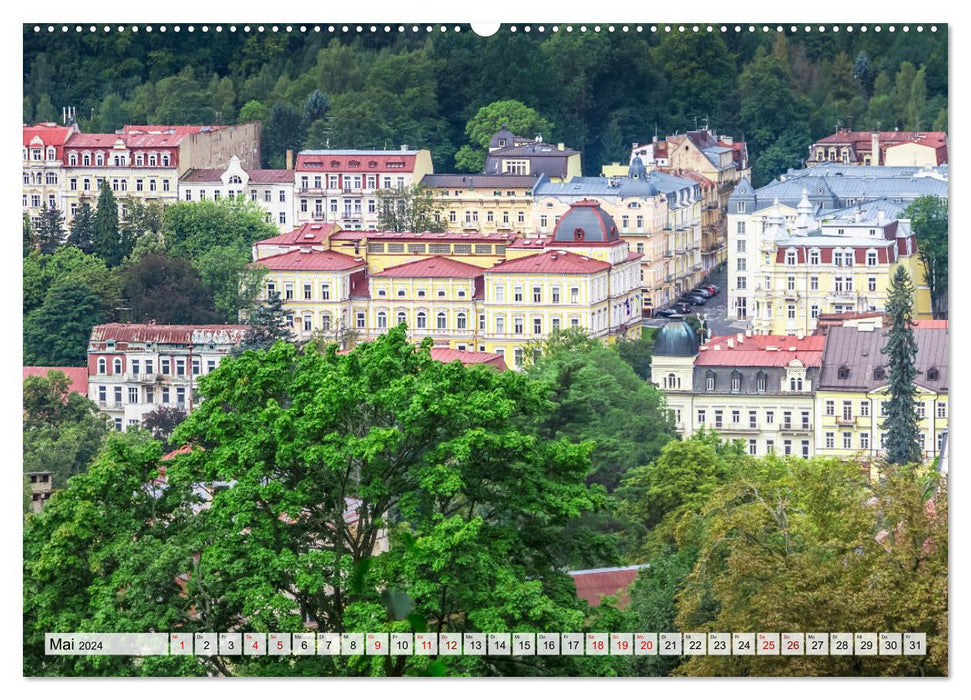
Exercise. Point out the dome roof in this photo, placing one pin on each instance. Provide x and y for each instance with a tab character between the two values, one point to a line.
637	187
637	169
586	222
676	339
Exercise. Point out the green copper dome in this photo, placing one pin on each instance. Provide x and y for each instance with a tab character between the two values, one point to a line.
676	339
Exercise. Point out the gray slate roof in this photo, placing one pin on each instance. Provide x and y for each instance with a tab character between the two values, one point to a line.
859	352
622	187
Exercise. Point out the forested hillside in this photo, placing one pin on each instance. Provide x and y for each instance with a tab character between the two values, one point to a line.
600	91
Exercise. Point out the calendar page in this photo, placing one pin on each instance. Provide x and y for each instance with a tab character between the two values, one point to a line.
532	349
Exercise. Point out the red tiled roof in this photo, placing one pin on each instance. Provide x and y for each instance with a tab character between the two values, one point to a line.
256	177
181	129
593	585
468	357
753	351
157	333
50	135
552	262
435	266
534	242
367	161
78	376
697	177
930	323
308	234
311	260
92	140
929	138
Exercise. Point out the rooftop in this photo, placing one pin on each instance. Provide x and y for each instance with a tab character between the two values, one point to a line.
308	234
459	180
175	334
77	376
551	262
256	177
761	351
594	584
308	259
467	357
435	266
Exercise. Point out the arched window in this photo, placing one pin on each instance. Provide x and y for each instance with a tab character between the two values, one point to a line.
73	159
382	319
761	380
102	366
99	158
139	159
736	381
421	320
86	159
165	159
673	381
233	179
440	320
116	366
578	234
460	321
814	256
709	380
402	318
325	322
51	153
152	159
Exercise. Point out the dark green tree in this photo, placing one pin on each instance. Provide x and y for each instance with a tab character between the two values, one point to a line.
929	219
83	228
863	74
50	229
315	107
267	324
56	334
167	290
283	131
900	423
107	239
514	115
29	237
162	422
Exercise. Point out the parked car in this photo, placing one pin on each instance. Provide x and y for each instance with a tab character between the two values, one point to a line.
681	308
714	288
703	292
694	300
665	313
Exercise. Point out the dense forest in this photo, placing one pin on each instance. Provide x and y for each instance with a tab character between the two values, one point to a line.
599	91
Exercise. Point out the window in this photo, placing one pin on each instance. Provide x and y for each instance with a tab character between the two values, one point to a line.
787	420
132	394
517	323
795	383
180	396
760	382
740	283
116	366
556	295
102	365
941	409
288	290
753	419
306	291
672	381
210	365
118	397
879	373
843	372
805	420
180	368
736	417
740	245
791	312
736	381
701	416
790	257
814	311
769	417
740	264
871	258
847	410
787	447
517	294
518	357
537	295
847	441
574	295
537	325
741	225
921	409
361	322
709	381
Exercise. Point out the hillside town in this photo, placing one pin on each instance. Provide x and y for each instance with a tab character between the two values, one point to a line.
520	384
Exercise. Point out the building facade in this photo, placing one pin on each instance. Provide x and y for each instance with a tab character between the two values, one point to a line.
852	394
757	389
487	203
823	240
146	162
893	148
342	186
43	168
135	368
659	215
271	189
492	293
515	155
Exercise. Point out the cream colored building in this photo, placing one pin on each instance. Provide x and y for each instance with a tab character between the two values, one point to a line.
43	167
486	203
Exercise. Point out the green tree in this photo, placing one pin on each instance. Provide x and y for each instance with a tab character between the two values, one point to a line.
167	290
809	545
45	112
929	220
234	283
900	423
194	228
107	239
252	111
281	132
112	114
637	353
162	422
315	107
599	398
50	229
56	334
411	208
863	74
62	429
83	228
42	272
29	236
267	323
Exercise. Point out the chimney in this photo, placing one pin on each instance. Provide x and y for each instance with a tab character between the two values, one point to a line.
875	148
717	346
731	344
800	335
740	337
289	159
748	332
404	147
560	146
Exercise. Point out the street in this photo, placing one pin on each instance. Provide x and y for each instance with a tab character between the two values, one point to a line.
714	310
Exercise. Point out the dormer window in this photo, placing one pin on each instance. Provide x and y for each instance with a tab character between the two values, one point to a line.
578	234
73	159
709	381
235	180
760	382
736	381
879	374
843	372
933	374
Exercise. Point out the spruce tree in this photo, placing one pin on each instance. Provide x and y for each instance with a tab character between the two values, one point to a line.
267	324
50	229
83	228
28	235
900	423
107	244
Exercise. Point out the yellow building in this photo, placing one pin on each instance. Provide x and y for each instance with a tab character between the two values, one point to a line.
657	214
843	263
475	292
482	203
756	389
853	389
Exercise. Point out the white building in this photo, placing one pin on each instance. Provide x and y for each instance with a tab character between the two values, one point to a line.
135	368
271	189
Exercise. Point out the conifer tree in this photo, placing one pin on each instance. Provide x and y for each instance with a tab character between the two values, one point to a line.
900	423
50	229
107	244
267	324
28	235
83	228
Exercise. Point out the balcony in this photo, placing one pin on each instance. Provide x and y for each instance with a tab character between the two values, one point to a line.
795	429
668	253
791	294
